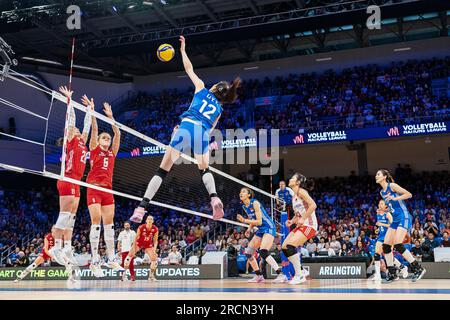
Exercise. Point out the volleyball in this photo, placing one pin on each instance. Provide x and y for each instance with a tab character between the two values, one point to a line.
165	52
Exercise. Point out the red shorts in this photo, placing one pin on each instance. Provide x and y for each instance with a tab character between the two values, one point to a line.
144	245
68	189
307	231
99	197
45	256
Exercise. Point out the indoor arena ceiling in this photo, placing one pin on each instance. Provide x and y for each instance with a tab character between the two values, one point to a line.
118	38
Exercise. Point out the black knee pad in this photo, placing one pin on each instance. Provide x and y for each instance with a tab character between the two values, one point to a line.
289	251
377	257
249	256
264	253
387	248
204	171
161	173
400	248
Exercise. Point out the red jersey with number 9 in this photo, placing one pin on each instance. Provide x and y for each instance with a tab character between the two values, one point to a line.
102	167
76	152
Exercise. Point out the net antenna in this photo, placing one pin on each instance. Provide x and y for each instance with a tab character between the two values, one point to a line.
60	101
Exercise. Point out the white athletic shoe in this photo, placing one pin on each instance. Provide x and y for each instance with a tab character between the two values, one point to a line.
58	255
404	272
17	280
152	277
281	278
305	273
68	252
138	215
297	280
217	207
96	269
376	278
124	277
113	264
256	279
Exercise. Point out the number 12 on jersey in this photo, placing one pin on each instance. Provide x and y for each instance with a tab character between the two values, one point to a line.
207	114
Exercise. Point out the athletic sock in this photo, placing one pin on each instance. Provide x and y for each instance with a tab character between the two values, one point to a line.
378	268
67	244
109	240
295	260
408	256
94	238
210	184
58	244
271	261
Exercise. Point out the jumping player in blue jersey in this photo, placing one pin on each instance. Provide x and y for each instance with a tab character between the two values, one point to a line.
257	216
193	134
394	196
384	220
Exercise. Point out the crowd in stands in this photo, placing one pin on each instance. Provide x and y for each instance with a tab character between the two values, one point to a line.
346	207
357	97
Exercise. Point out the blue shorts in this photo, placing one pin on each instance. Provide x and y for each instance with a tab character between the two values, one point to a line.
381	237
190	136
401	221
265	230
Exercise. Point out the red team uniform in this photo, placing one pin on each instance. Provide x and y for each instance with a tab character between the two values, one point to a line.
51	243
101	174
310	226
76	152
145	240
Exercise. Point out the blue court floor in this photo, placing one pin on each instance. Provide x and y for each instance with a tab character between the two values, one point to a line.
230	289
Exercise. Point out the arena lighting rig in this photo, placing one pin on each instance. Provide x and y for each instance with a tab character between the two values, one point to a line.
6	54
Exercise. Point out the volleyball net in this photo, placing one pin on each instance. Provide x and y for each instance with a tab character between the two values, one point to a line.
138	158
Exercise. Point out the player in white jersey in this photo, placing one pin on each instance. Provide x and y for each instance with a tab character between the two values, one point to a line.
305	218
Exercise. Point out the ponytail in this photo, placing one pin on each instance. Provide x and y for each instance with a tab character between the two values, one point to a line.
227	93
388	175
307	184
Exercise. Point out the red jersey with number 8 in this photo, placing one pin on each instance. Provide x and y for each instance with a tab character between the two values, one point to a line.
76	152
102	167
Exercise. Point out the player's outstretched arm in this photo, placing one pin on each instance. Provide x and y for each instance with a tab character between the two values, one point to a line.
188	67
72	118
94	134
87	123
116	140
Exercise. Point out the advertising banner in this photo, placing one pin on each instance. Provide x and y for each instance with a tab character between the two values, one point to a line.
345	270
366	133
164	272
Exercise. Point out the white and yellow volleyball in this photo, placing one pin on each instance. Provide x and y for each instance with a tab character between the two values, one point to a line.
165	52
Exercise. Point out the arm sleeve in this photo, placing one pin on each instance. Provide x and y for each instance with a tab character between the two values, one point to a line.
72	118
87	122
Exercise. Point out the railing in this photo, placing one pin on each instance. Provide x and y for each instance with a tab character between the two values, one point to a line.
198	244
22	242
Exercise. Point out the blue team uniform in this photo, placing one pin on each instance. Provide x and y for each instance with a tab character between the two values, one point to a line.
382	230
399	212
267	226
285	195
197	122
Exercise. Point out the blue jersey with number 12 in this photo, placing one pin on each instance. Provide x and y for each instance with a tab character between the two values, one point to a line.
204	108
